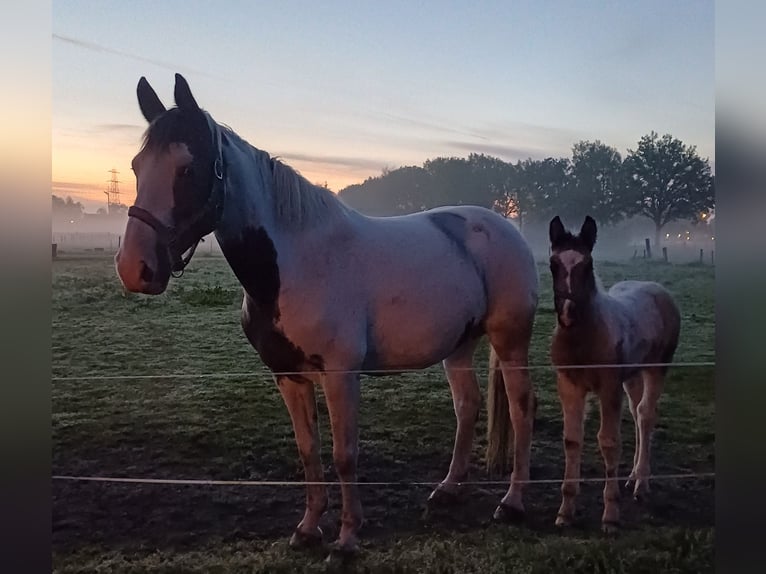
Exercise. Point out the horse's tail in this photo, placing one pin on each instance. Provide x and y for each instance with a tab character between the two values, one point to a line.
499	428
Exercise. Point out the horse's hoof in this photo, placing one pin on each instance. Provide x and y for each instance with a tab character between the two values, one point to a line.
563	521
341	553
509	514
640	498
610	528
301	539
441	497
641	491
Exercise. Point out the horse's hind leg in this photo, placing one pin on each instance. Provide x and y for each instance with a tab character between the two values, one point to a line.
466	398
647	418
634	388
514	357
301	403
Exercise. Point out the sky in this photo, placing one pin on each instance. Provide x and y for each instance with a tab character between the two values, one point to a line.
342	90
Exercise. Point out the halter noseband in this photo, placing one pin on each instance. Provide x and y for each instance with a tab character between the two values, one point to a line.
176	238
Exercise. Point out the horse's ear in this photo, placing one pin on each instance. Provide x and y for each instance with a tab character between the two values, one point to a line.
556	231
588	232
148	101
183	95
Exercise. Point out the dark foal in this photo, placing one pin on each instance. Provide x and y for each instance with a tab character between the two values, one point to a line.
633	323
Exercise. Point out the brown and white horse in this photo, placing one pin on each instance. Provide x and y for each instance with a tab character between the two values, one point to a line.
330	293
634	323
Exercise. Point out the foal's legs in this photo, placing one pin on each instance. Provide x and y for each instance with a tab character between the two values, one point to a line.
466	398
341	392
634	387
647	418
610	399
572	398
301	403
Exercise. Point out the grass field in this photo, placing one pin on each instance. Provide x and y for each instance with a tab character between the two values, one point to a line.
238	429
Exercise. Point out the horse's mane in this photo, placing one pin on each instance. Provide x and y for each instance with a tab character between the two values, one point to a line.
297	202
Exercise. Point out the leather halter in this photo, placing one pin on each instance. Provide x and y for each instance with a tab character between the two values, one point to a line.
177	240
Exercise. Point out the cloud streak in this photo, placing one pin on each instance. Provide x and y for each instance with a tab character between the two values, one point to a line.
93	46
431	126
119	127
506	152
343	161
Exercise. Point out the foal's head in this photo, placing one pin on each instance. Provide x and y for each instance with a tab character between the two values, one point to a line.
574	282
176	172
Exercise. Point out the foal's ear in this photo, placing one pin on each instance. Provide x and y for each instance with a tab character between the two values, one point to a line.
148	101
183	95
556	231
588	232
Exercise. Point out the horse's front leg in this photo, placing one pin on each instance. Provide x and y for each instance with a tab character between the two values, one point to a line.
572	398
301	403
341	392
610	399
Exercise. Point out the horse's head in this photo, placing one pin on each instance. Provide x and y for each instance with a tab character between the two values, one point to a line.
574	282
179	182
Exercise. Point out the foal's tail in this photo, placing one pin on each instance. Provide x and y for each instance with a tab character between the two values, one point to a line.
499	428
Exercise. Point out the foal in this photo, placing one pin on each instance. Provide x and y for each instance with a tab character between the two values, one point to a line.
634	322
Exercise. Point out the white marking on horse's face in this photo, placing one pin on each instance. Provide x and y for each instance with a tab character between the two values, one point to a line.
563	266
567	314
137	261
569	259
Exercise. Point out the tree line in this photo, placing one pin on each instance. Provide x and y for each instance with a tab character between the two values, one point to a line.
66	210
662	179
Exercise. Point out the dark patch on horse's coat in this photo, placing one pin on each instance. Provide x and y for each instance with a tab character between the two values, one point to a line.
471	331
254	261
278	352
453	226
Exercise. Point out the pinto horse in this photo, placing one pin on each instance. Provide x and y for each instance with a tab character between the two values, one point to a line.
330	294
635	323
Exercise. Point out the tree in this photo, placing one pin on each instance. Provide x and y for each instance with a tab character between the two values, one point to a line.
594	184
667	181
452	182
66	211
394	192
539	188
507	202
490	181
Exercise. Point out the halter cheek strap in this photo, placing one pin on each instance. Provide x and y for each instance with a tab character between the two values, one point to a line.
187	236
